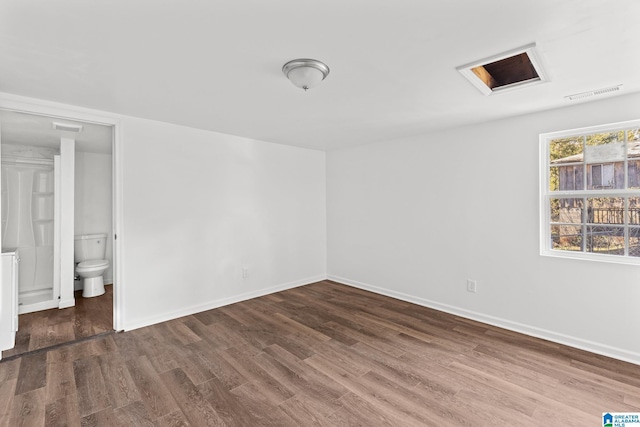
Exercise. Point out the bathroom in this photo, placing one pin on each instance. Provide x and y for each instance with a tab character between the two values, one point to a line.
56	187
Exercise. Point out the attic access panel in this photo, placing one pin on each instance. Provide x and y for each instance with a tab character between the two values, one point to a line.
514	69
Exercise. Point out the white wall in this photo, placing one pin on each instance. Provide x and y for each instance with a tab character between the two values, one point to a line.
200	206
93	199
415	218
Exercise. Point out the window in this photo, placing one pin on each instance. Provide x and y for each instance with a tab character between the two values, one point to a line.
590	193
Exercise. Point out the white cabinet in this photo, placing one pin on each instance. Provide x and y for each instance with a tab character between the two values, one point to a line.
9	300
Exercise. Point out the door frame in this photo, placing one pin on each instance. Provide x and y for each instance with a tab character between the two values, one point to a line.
62	111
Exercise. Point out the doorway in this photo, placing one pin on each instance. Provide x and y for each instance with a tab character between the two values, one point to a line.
35	135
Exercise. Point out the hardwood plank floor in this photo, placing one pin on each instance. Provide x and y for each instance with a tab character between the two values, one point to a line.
319	355
42	329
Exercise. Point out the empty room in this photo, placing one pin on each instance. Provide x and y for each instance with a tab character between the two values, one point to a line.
299	213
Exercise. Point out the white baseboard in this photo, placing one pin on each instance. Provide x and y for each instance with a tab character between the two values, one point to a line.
582	344
140	323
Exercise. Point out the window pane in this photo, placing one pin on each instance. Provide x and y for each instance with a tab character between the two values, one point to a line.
564	174
605	138
566	237
605	176
566	210
605	240
554	180
634	171
634	210
604	152
604	147
566	178
634	242
633	156
605	210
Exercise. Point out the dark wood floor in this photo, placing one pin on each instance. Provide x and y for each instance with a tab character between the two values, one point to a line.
325	355
42	329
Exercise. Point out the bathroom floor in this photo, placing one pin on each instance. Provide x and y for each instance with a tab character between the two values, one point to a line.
89	317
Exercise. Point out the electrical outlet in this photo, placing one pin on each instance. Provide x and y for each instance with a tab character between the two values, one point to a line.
472	286
245	272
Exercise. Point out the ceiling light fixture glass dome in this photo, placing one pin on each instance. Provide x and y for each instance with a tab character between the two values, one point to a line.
305	73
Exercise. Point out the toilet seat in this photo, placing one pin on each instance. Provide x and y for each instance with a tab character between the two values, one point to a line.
91	274
93	263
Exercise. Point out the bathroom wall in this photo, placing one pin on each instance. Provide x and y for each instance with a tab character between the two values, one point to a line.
93	199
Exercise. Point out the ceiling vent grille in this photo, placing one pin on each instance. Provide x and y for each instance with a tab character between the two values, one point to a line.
591	93
68	127
506	71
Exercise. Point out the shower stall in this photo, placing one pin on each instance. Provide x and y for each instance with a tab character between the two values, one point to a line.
30	223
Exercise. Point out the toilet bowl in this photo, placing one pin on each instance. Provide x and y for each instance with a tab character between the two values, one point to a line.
91	274
89	253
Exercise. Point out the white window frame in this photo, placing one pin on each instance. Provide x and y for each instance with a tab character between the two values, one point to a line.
546	195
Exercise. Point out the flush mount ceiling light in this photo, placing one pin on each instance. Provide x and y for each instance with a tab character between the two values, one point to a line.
506	71
305	73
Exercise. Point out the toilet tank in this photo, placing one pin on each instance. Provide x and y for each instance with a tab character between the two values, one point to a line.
90	246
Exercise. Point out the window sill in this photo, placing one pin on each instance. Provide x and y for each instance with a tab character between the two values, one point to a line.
612	259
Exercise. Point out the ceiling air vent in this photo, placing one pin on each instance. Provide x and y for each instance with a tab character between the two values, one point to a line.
68	127
591	93
506	71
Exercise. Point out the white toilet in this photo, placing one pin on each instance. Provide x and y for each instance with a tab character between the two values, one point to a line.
89	252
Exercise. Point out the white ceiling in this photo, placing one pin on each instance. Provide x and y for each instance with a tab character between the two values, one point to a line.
217	64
